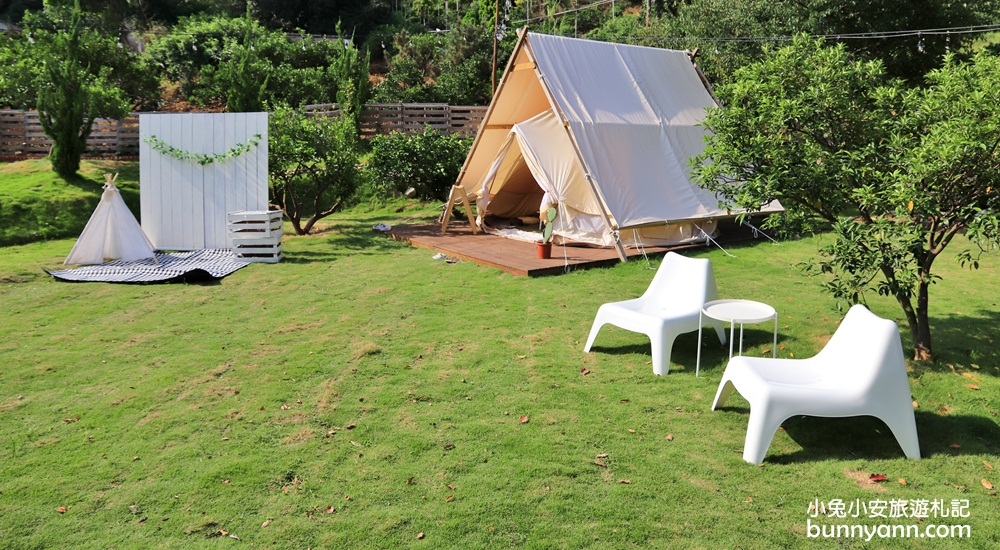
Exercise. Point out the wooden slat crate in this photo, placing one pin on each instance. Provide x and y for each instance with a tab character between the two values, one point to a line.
255	236
263	249
254	224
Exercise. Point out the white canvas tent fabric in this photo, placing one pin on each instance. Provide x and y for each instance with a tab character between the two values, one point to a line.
112	233
607	131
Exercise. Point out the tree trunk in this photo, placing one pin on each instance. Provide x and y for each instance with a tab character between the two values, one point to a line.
922	330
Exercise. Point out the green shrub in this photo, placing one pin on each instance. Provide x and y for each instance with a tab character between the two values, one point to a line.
210	57
428	162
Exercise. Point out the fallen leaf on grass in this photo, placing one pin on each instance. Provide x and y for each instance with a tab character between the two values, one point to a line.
266	523
330	510
631	431
61	509
409	481
524	419
902	481
420	535
955	446
585	371
449	498
877	477
670	437
450	486
600	463
350	427
625	481
602	455
972	387
988	465
749	499
986	483
864	480
285	407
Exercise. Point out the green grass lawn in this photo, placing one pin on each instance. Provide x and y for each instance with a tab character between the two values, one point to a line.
361	395
35	204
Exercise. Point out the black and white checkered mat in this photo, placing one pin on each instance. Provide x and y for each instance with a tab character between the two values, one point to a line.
189	267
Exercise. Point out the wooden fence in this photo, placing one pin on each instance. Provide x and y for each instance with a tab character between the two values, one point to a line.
21	134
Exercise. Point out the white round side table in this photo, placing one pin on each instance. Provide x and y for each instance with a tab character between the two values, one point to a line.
737	312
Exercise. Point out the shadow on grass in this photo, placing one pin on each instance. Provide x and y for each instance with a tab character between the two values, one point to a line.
866	437
684	351
349	237
966	341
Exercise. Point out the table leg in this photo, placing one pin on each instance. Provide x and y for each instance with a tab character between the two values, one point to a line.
774	348
697	361
732	328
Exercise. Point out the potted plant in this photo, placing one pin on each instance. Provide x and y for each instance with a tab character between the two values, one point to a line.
544	248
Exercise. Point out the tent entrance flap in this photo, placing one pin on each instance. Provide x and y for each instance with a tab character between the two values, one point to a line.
536	160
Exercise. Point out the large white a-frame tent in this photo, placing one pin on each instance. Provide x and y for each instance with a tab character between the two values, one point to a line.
605	131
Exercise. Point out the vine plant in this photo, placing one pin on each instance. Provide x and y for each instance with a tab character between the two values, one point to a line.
202	158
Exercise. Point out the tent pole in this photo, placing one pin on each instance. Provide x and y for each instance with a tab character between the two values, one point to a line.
521	38
496	31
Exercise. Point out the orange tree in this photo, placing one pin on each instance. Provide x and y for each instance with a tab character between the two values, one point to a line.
897	172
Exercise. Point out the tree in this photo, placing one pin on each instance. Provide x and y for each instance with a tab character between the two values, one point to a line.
242	76
72	95
898	172
313	165
742	27
22	56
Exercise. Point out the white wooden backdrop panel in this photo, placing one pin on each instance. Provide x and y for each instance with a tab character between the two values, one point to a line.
183	204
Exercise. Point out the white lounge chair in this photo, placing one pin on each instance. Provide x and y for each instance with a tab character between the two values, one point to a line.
860	372
670	306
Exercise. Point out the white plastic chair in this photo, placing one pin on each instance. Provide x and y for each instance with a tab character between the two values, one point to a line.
670	306
860	372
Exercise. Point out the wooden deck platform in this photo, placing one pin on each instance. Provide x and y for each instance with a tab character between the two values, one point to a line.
515	257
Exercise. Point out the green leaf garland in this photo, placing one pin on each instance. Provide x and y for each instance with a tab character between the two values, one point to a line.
202	158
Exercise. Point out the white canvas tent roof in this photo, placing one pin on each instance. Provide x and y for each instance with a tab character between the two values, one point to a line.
606	130
111	233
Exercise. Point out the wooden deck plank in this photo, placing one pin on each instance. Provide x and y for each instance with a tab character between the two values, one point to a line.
515	257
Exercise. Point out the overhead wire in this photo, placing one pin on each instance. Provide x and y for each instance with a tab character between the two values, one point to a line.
870	35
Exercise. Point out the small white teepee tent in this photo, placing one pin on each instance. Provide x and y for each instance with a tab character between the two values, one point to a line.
111	233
